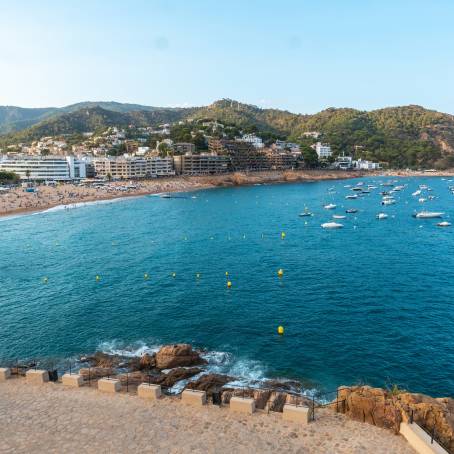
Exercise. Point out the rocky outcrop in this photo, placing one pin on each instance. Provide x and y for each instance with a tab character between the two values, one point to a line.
147	361
179	355
96	372
174	376
209	383
388	409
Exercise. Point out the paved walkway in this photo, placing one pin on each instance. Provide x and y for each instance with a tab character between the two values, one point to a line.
53	419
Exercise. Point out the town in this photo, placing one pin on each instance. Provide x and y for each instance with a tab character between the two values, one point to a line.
203	147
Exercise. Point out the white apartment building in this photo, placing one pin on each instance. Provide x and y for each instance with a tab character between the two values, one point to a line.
131	167
45	168
253	140
323	150
366	165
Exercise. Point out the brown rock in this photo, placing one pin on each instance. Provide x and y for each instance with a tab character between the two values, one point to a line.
179	355
209	383
174	376
147	361
96	372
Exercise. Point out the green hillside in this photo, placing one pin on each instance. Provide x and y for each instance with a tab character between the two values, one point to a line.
407	136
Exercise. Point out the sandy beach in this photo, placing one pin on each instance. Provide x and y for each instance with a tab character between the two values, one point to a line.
18	201
53	419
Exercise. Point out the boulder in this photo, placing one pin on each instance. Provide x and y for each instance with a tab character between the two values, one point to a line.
147	361
96	372
174	376
209	383
179	355
388	408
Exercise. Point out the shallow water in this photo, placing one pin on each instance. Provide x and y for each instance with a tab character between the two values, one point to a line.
372	302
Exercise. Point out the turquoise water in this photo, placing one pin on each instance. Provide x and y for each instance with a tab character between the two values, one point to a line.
372	302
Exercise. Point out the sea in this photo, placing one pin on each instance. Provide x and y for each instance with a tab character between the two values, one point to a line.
369	303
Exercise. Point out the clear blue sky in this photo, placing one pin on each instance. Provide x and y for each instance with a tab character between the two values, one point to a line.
302	55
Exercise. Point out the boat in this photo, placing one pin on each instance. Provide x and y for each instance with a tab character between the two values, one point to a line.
351	196
339	216
351	210
305	213
416	193
444	224
381	216
330	206
388	202
428	215
331	225
421	200
356	188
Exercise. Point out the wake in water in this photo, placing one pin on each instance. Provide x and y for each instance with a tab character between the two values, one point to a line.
244	373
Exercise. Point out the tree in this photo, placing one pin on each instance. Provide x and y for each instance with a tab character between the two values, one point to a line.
164	149
8	177
310	157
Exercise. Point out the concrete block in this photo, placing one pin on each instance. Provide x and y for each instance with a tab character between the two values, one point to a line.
297	414
5	373
149	391
72	380
419	440
242	405
37	377
109	385
193	397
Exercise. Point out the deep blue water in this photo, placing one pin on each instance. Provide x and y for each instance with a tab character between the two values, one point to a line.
372	302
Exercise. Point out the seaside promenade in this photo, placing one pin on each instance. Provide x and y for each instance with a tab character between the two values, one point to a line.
53	419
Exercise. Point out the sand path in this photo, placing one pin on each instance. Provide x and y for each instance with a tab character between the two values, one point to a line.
53	419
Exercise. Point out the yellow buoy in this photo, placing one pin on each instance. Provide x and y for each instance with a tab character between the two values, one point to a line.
229	284
145	276
280	272
283	235
280	330
226	273
98	278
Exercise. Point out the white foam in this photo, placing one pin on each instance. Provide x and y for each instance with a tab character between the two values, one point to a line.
137	349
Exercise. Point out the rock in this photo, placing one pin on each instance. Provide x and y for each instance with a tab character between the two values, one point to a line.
147	361
388	408
100	359
96	372
179	355
174	376
372	405
209	383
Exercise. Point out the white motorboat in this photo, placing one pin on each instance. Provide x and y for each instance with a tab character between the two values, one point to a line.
339	216
416	193
351	196
305	213
444	224
421	200
381	216
331	225
428	215
330	206
388	202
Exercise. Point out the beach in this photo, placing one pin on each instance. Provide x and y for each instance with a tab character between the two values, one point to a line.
18	201
51	418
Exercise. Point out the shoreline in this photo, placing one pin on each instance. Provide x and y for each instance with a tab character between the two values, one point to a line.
69	194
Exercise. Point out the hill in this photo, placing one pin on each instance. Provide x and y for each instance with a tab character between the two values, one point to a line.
406	136
16	118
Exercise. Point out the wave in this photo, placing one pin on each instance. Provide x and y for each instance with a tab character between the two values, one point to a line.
244	371
71	206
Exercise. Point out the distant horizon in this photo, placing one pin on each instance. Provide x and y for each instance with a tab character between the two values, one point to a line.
220	99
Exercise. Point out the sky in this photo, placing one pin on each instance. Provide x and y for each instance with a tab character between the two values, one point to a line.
302	56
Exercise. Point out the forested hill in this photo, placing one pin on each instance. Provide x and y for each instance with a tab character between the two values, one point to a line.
407	136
